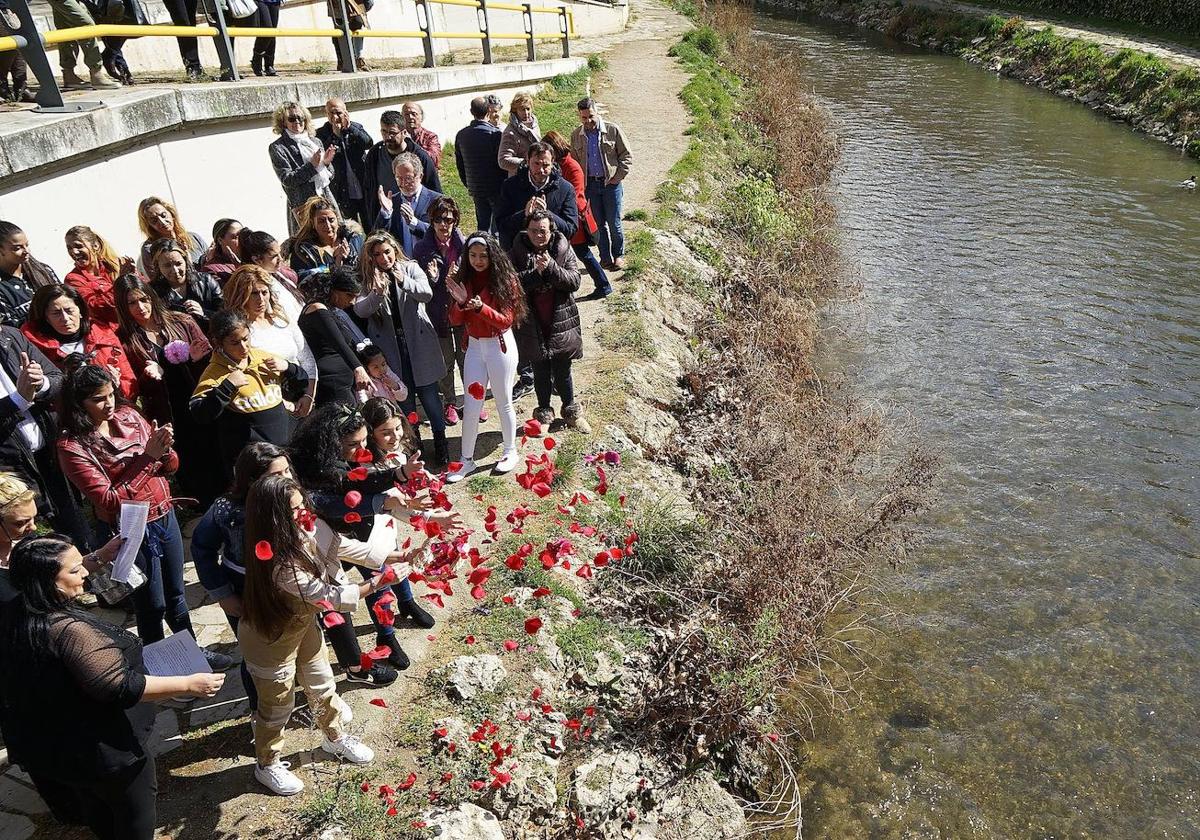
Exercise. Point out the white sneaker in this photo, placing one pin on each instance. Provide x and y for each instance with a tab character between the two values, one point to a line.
468	467
279	778
349	748
508	461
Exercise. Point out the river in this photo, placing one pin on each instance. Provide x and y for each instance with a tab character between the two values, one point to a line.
1031	309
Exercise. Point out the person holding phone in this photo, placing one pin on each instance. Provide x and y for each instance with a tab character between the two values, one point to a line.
303	166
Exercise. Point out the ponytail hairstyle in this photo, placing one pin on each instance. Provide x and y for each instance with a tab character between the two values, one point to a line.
251	465
502	280
270	520
33	567
104	255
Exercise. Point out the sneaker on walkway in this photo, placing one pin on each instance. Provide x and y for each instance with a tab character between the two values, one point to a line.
349	748
279	779
72	82
508	462
377	676
522	388
468	467
451	415
218	661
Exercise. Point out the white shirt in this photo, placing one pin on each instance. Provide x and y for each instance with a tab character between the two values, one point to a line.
287	342
27	426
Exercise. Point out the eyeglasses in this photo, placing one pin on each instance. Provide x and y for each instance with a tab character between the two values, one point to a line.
445	220
296	118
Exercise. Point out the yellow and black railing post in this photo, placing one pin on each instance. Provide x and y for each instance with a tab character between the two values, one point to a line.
426	25
485	30
527	17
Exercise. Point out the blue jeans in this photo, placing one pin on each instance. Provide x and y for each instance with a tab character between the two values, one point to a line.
583	253
161	560
402	591
606	207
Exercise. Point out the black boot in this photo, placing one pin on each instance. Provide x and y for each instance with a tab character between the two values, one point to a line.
441	454
410	608
195	72
256	64
398	659
270	70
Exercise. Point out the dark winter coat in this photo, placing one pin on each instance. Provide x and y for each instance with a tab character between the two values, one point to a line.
370	181
15	454
515	194
548	292
295	172
200	287
475	150
352	148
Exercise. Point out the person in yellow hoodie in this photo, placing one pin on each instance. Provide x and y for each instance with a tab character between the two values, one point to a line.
241	390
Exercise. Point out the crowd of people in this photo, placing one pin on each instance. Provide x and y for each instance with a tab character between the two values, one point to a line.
272	386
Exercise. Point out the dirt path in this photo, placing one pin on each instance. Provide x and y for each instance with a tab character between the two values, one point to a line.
206	785
1109	38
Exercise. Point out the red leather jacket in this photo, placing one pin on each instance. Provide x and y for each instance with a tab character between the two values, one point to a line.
100	342
492	320
113	470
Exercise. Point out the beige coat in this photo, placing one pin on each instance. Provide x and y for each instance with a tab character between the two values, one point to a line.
613	148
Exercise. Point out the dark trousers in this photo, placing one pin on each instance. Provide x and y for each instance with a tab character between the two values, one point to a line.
556	369
431	398
120	806
344	642
13	63
67	518
595	271
161	597
183	13
265	47
485	212
239	585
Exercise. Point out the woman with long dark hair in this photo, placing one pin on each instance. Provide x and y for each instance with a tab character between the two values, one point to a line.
325	450
77	713
114	456
331	338
488	303
389	434
257	247
223	256
218	539
59	325
168	353
294	581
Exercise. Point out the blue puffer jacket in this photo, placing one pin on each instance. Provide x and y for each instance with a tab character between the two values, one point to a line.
475	151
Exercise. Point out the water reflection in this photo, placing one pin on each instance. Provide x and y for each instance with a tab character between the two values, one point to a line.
1032	299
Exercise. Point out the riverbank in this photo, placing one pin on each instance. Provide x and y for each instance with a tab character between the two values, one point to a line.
1155	91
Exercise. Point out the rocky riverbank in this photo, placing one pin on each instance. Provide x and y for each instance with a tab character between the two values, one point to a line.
1152	94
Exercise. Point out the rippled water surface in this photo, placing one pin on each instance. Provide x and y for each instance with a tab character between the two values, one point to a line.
1032	306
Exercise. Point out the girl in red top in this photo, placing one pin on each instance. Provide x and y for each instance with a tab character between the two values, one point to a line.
97	265
59	324
488	302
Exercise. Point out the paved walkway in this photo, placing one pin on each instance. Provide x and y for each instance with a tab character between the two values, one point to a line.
206	788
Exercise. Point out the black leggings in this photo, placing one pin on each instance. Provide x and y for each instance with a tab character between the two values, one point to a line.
120	806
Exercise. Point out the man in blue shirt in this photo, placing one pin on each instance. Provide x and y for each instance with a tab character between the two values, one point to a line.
601	150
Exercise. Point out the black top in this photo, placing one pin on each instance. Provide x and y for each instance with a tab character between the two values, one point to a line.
80	717
476	148
334	352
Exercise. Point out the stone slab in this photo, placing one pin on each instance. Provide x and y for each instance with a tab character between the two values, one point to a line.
15	796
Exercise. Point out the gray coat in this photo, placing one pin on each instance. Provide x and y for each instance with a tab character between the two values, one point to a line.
410	291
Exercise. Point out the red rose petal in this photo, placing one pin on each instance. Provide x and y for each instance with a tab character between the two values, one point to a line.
510	645
352	499
363	456
357	474
263	550
352	518
413	418
379	701
549	443
533	625
476	390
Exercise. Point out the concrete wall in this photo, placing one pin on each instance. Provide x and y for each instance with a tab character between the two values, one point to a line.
219	168
162	54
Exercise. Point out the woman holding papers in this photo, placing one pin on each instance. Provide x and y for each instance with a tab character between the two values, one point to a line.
293	575
80	729
115	457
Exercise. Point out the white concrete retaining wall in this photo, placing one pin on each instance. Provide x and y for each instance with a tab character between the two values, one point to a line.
207	166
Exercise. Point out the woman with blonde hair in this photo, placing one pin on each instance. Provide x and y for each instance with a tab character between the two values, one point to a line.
158	219
97	266
302	166
521	132
323	240
251	292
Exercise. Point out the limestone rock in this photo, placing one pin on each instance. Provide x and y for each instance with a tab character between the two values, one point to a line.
466	822
700	809
616	789
469	676
533	791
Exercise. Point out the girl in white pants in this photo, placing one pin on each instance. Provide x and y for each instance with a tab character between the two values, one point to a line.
488	303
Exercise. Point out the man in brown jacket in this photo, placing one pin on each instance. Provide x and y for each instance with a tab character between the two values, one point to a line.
600	148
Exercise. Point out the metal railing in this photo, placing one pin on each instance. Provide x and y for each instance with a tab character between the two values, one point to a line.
32	43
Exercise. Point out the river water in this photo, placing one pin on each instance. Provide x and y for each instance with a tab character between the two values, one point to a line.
1031	308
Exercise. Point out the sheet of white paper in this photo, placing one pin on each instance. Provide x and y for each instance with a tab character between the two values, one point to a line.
178	655
133	529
